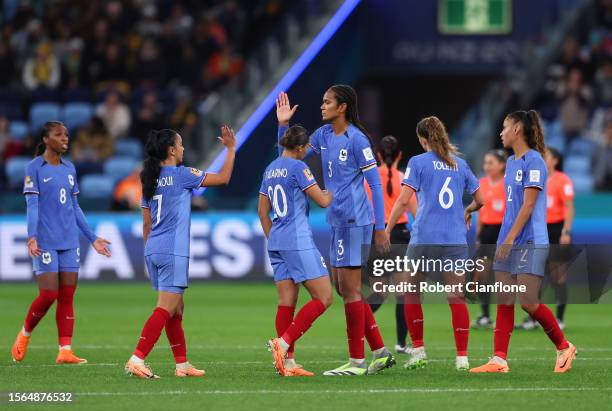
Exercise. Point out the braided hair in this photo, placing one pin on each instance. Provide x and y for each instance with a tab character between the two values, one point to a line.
389	150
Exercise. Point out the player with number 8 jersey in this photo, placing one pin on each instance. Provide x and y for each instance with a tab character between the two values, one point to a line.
54	219
167	188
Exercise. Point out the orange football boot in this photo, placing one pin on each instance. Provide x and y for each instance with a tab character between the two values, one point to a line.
20	347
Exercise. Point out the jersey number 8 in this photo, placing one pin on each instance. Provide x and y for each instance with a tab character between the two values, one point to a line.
274	195
63	195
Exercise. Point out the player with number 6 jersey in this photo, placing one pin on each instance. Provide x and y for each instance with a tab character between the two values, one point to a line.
167	188
287	184
439	178
54	220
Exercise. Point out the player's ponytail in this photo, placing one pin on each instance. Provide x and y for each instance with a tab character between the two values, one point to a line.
532	128
432	129
156	150
44	132
295	136
346	95
556	154
389	150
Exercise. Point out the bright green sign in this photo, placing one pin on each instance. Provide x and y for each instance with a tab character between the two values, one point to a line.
475	16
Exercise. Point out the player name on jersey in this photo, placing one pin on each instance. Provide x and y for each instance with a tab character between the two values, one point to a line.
276	173
440	165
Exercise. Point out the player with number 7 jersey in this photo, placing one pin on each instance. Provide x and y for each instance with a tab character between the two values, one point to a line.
167	188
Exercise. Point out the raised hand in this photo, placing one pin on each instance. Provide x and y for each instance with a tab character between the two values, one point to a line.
228	137
284	111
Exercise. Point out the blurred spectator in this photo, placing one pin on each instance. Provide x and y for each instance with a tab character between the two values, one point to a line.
5	135
224	65
72	63
7	64
575	100
115	115
150	71
128	193
602	162
91	147
150	116
42	70
603	83
112	66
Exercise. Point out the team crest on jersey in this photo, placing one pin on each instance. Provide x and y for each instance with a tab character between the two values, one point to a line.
308	174
28	183
195	171
519	175
71	180
343	154
46	257
534	176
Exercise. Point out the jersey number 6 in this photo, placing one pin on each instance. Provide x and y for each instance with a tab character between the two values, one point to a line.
446	191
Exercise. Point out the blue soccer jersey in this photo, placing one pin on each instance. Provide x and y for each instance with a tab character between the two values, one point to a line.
55	186
284	183
527	171
344	158
171	210
439	189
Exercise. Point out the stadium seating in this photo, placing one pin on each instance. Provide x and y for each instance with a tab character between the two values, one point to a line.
96	192
76	115
18	129
119	167
40	113
128	147
15	170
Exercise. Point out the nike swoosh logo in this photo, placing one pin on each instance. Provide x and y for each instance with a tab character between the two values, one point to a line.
323	148
47	179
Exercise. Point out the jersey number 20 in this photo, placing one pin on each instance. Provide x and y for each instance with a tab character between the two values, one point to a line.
276	195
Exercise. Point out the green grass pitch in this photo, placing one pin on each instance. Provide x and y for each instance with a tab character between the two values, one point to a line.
226	327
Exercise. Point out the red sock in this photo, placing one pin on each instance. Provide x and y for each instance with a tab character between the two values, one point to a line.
504	324
549	324
414	320
461	324
151	332
372	333
64	314
284	317
303	320
39	308
176	338
355	328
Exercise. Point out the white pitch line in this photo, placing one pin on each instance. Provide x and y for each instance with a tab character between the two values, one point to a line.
306	347
361	391
205	363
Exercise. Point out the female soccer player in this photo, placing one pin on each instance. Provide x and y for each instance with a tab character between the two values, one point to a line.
389	156
287	184
489	222
166	212
522	246
53	215
439	178
347	157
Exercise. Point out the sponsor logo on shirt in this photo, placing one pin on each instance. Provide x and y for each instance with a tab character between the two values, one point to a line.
308	174
367	154
407	173
550	201
323	262
71	180
343	154
28	183
568	189
195	171
498	205
534	176
519	175
47	179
